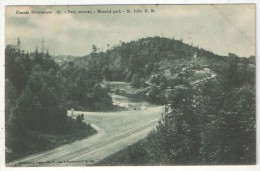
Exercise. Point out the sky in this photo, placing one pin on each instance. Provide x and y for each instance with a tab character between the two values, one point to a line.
218	28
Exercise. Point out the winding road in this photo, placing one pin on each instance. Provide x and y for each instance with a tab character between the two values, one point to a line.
115	131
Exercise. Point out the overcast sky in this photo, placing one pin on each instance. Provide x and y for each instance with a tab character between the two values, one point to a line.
219	28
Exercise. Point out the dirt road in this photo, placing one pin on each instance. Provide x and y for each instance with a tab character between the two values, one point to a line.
116	130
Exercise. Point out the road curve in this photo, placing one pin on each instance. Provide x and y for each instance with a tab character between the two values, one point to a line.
115	131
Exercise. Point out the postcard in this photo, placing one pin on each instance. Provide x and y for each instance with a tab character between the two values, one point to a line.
130	85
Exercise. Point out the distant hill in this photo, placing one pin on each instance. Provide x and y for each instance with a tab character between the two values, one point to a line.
148	57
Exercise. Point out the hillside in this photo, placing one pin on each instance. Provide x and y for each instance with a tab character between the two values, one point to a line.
38	94
208	114
209	109
150	55
158	65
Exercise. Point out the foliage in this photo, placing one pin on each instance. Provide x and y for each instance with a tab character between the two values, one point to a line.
212	123
38	94
145	61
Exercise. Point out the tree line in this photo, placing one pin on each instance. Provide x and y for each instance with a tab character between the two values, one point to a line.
212	123
38	94
144	63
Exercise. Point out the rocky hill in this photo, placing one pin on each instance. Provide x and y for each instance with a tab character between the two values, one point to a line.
158	63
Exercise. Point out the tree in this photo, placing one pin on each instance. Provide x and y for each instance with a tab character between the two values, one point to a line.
24	114
136	81
154	93
10	98
229	76
18	45
128	77
106	73
94	48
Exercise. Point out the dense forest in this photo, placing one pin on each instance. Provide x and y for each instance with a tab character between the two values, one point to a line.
213	122
38	94
158	66
213	100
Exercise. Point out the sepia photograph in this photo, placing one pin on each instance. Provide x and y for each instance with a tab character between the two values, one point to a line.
130	85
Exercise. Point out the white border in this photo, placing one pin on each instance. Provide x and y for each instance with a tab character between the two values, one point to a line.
4	3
